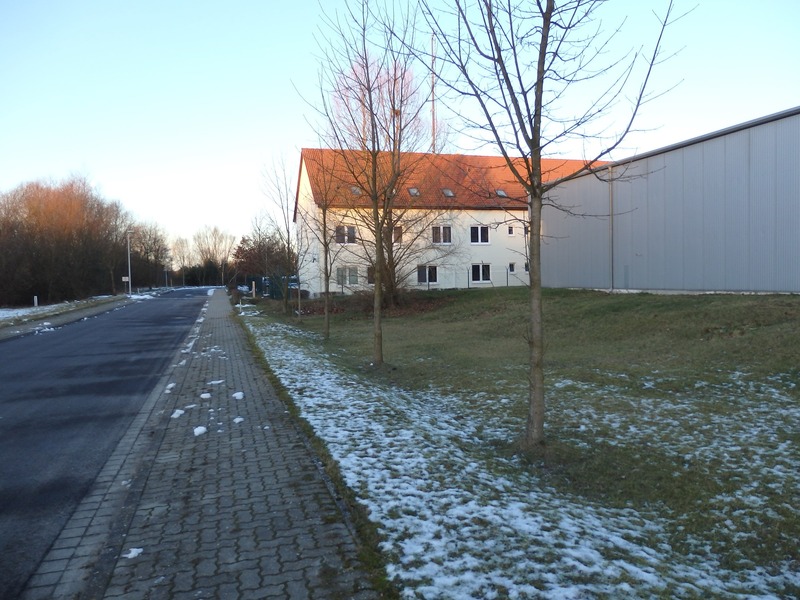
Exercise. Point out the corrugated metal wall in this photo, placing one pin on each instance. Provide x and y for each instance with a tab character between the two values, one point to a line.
721	213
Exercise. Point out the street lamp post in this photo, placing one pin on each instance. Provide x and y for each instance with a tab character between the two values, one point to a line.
130	291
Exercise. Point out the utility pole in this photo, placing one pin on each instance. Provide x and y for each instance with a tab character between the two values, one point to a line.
130	292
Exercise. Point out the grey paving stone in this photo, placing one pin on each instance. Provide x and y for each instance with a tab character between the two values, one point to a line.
237	512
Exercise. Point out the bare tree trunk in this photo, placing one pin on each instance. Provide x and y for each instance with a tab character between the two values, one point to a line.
326	323
377	298
534	427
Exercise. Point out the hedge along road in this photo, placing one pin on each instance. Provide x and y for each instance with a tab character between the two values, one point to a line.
67	396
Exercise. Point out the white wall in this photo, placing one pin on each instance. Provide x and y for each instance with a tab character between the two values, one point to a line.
453	261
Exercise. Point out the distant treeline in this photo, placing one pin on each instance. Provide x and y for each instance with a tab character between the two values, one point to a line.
62	241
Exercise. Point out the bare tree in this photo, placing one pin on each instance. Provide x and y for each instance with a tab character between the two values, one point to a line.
319	223
182	255
150	243
279	191
539	74
371	106
215	247
59	241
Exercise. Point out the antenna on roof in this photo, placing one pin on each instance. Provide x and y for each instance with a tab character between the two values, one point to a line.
433	93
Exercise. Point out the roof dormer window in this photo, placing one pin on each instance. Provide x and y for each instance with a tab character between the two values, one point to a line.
355	190
448	193
501	193
413	191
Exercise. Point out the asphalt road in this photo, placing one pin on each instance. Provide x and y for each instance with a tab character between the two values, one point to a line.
66	398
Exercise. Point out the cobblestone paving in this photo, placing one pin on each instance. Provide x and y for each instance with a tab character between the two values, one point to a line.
216	495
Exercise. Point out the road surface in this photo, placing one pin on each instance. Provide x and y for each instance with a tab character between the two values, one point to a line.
66	398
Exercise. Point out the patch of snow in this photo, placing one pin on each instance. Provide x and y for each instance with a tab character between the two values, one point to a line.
200	430
216	382
178	412
205	395
133	553
238	420
462	521
238	395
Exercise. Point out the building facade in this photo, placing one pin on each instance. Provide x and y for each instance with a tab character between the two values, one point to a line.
456	221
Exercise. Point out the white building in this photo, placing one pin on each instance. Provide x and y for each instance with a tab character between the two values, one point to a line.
457	221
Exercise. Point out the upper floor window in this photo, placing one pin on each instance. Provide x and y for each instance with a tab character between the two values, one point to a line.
441	234
479	234
345	234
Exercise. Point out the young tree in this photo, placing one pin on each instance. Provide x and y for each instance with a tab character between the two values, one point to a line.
371	106
279	191
538	74
319	223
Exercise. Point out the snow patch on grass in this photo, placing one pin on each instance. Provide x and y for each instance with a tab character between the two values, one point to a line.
461	521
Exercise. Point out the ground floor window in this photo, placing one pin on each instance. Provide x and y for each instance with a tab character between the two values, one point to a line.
346	275
481	272
427	274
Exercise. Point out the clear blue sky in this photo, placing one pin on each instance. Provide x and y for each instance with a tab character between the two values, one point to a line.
176	108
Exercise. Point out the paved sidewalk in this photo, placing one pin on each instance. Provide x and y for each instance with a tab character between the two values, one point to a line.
213	493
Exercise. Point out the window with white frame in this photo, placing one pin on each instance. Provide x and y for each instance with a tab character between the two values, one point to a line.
345	234
441	234
427	274
346	276
481	272
510	230
393	233
479	234
512	267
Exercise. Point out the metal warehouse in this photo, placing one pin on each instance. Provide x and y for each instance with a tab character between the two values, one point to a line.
716	213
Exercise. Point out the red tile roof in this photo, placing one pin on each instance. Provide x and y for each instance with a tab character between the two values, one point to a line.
476	182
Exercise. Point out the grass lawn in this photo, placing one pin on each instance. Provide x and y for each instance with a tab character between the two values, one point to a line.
681	407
